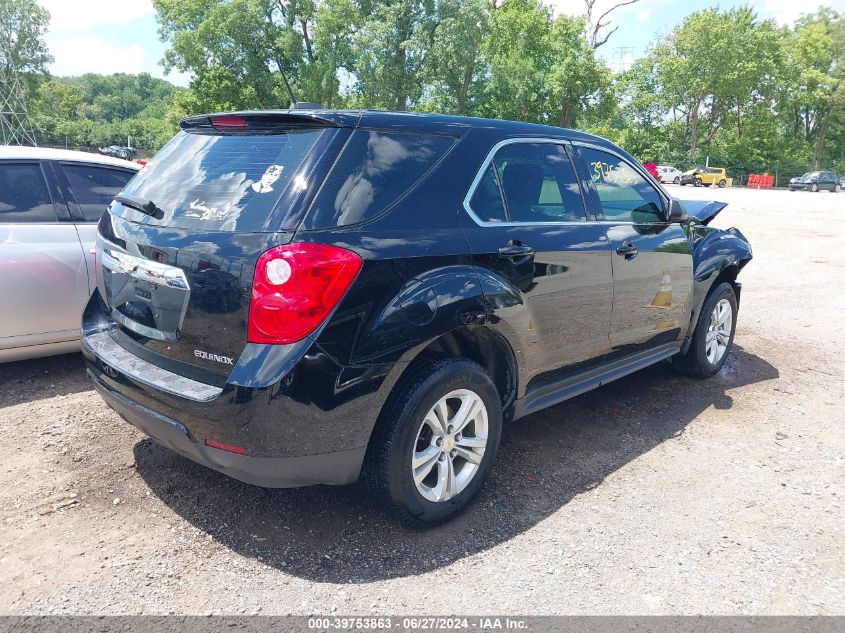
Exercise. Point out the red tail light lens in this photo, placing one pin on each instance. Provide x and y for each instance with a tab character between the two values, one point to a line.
296	286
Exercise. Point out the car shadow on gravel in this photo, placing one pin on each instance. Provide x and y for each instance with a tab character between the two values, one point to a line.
41	378
337	535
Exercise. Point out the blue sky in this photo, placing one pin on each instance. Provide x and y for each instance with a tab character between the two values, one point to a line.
108	36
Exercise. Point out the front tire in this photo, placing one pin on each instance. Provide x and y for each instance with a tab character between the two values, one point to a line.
722	183
713	335
814	187
435	442
677	180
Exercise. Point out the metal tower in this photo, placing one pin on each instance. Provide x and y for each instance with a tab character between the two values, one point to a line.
623	58
15	127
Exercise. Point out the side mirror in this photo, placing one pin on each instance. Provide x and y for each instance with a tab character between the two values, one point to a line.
677	211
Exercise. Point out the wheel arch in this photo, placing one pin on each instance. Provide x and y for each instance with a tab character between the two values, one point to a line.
717	259
478	343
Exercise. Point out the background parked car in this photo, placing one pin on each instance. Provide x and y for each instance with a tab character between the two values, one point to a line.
816	181
50	202
652	169
705	176
117	151
668	173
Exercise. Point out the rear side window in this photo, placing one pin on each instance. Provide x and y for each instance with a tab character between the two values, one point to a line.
23	194
216	182
95	187
374	170
487	201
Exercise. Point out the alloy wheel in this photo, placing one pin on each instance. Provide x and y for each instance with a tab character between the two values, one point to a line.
719	331
449	446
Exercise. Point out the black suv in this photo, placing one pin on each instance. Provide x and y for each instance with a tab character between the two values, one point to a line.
305	297
816	181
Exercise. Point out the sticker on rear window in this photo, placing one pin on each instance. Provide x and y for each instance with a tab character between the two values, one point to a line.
201	211
271	175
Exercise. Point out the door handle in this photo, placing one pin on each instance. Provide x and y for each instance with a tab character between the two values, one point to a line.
516	250
628	250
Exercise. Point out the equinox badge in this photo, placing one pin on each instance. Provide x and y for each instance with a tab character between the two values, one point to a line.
209	356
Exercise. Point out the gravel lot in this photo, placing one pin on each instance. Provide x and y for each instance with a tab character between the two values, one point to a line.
654	495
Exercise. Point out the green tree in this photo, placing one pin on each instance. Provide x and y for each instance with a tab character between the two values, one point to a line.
23	25
714	63
576	77
817	59
518	59
241	53
389	51
454	64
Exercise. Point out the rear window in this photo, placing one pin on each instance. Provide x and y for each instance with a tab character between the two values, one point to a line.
212	182
374	170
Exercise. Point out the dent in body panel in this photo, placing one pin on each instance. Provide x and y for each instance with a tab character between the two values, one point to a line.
713	251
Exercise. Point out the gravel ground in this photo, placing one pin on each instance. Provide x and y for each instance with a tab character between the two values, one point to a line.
656	494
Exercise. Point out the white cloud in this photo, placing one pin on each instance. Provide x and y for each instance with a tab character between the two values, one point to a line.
77	55
70	16
787	11
644	15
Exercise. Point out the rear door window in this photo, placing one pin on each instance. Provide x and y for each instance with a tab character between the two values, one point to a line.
24	196
539	183
220	182
94	187
373	172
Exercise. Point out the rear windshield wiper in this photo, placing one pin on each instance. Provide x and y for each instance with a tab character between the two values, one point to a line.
139	204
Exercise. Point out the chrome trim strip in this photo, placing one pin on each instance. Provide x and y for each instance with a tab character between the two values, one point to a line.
153	272
489	158
140	328
114	357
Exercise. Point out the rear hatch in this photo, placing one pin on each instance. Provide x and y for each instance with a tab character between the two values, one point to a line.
178	248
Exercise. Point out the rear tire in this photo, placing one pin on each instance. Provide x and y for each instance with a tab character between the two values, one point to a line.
676	181
420	466
722	184
713	335
837	188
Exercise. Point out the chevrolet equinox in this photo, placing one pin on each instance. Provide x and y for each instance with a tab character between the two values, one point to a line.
313	297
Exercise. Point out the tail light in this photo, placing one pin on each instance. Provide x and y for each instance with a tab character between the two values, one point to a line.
296	286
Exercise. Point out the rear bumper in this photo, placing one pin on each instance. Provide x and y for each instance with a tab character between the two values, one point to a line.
341	467
297	416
